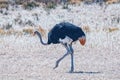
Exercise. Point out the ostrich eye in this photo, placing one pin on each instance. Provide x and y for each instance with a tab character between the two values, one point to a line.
35	32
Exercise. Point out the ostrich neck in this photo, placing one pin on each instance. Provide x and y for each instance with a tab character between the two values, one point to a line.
39	35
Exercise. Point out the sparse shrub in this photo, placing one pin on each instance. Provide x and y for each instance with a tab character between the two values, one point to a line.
30	5
6	13
1	11
7	26
115	19
36	16
3	4
19	1
51	5
30	23
88	1
65	6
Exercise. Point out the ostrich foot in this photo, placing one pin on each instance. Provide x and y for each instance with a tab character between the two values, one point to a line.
55	66
71	71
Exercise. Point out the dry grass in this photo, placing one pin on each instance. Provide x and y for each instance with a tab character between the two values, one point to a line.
86	29
25	31
42	31
111	29
2	32
75	1
112	1
28	30
10	32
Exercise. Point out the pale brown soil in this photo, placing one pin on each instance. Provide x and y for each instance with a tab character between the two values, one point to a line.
24	58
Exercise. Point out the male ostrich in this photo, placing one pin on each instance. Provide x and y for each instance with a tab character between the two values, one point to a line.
64	33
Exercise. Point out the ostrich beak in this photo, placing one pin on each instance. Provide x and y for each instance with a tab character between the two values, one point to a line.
82	40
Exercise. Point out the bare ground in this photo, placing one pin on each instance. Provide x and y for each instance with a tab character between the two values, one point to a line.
24	58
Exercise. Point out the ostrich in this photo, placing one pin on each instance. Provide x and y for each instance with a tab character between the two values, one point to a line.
64	33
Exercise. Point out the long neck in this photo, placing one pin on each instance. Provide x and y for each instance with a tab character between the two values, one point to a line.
39	35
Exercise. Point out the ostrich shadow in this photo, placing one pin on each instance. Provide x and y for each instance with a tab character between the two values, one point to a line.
85	72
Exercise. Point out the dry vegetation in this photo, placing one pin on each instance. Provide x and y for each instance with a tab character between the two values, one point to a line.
3	4
30	30
112	1
111	29
86	29
42	31
75	1
4	32
22	57
25	31
29	4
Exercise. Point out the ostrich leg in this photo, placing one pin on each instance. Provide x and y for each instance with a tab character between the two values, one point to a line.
58	61
69	51
72	58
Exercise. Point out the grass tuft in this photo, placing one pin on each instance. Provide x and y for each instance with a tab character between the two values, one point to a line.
86	29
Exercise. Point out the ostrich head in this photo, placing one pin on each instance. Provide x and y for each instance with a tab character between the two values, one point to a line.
35	32
40	37
82	40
